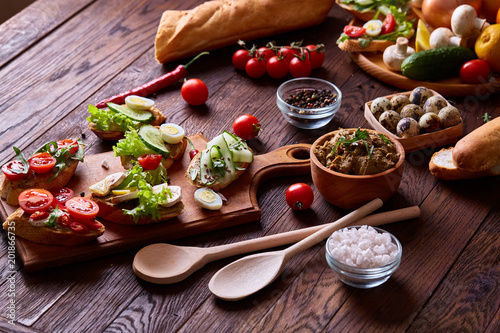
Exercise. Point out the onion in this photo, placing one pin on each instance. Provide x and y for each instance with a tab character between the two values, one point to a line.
437	13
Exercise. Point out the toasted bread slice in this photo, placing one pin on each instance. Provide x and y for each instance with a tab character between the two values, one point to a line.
115	135
10	190
176	152
443	167
115	214
352	45
18	224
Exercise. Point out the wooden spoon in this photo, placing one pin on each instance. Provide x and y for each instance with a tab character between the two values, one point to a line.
250	274
165	263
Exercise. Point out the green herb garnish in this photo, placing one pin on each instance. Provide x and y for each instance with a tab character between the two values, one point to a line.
360	137
486	117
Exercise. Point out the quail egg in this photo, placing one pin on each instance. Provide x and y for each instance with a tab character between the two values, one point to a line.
174	193
412	110
434	104
449	116
407	127
429	122
419	95
389	119
138	102
399	101
172	133
208	198
379	105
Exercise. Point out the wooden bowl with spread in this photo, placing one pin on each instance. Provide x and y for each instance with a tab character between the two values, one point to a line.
349	191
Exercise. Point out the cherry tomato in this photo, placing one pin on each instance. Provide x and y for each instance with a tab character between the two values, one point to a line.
255	68
475	72
82	208
240	58
42	162
246	127
316	56
277	67
354	31
14	170
288	53
33	200
78	227
299	196
194	92
265	53
388	24
300	67
91	224
149	161
193	153
62	194
69	143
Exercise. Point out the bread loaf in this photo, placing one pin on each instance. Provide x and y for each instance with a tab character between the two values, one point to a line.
218	23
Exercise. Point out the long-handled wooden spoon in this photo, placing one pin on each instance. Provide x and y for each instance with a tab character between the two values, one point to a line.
165	263
250	274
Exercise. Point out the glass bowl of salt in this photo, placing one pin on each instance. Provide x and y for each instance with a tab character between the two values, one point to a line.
363	256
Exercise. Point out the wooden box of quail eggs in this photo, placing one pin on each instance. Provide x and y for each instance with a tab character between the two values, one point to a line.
419	119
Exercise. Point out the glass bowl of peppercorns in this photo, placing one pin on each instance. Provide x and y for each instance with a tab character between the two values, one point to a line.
308	102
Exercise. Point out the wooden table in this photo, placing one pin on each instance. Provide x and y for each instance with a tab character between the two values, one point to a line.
57	57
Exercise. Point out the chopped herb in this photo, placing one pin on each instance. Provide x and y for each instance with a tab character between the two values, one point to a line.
486	117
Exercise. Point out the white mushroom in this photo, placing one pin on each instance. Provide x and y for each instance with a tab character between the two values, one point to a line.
394	55
465	23
442	37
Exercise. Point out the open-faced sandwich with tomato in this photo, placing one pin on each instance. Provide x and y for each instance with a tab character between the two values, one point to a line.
166	143
112	122
137	196
50	166
223	160
43	219
376	35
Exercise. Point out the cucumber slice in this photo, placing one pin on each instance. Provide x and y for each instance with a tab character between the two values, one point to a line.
206	175
229	173
239	148
151	137
138	115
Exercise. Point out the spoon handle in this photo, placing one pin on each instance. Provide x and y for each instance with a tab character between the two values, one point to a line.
329	229
266	242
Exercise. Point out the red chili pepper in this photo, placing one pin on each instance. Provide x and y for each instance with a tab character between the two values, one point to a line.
152	86
193	151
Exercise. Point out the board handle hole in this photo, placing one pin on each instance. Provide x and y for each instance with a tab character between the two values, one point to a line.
299	153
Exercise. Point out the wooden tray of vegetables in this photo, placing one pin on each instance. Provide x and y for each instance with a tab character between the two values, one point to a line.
241	206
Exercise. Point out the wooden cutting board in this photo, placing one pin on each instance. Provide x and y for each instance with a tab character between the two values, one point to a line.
241	206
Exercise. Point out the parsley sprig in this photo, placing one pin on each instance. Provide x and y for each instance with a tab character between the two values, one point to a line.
360	138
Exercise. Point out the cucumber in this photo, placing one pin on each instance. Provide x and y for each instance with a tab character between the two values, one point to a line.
435	64
151	137
138	115
223	153
206	175
239	148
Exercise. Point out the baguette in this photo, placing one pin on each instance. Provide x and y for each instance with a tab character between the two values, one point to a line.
18	224
352	45
480	149
219	23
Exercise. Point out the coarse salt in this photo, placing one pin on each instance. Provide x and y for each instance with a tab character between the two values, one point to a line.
362	247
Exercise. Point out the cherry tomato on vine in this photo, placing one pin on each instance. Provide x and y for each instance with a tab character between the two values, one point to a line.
255	68
388	25
194	92
354	31
277	67
82	208
149	161
41	162
246	127
288	53
475	72
62	194
316	56
300	67
14	170
265	53
67	143
299	196
33	200
240	58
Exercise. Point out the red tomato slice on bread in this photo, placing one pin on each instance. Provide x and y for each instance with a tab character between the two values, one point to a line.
82	208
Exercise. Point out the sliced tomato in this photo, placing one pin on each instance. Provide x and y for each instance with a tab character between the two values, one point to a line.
71	144
42	162
64	220
78	227
149	161
388	25
14	170
39	215
33	200
82	208
91	224
62	194
354	31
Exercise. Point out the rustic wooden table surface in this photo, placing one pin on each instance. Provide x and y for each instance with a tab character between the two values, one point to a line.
57	57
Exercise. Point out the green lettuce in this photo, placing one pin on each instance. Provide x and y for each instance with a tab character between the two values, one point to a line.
131	145
107	120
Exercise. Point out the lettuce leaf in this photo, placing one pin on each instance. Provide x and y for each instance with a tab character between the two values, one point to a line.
107	120
131	145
